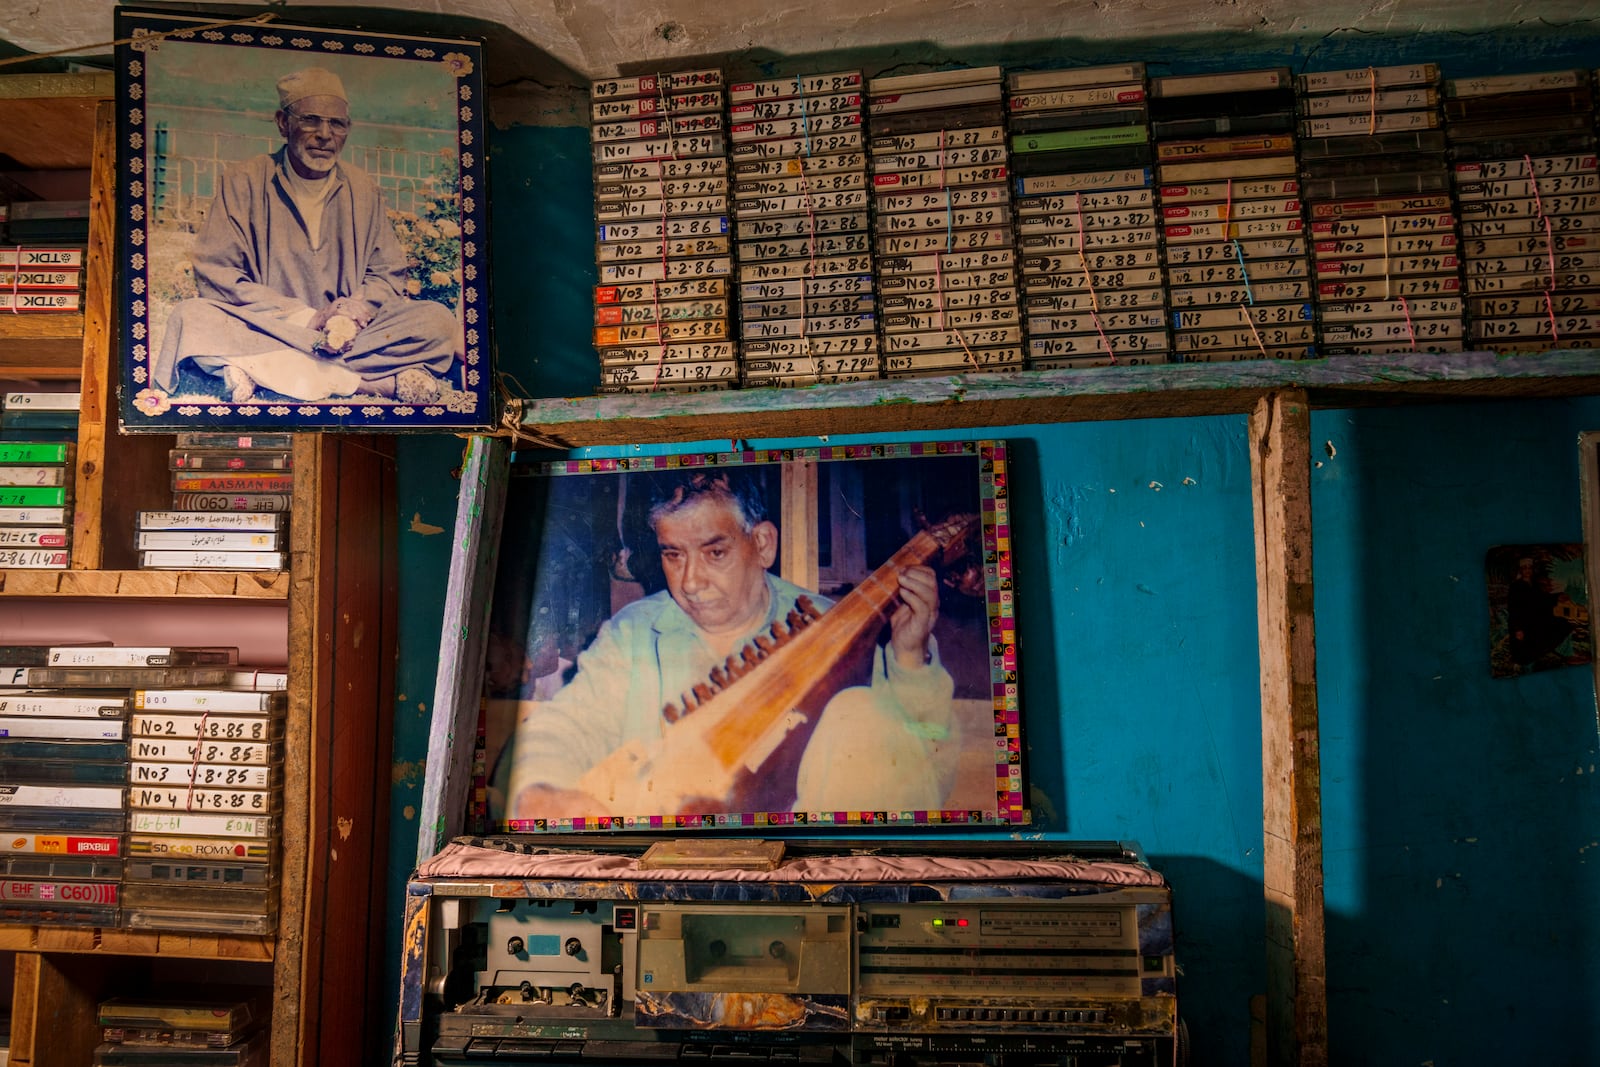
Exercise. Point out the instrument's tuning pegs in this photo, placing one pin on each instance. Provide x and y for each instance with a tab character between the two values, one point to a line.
670	712
734	666
794	620
719	677
807	607
702	692
764	644
778	631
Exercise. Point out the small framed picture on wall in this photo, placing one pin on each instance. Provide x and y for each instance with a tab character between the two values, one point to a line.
301	228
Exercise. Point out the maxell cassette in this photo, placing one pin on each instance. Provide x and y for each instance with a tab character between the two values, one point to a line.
69	845
57	868
65	771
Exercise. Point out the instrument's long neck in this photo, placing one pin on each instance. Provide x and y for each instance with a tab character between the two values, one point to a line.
780	672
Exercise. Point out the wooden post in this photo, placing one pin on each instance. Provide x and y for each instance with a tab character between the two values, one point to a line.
463	643
1280	461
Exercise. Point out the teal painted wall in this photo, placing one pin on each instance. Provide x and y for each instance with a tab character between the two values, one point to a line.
1460	812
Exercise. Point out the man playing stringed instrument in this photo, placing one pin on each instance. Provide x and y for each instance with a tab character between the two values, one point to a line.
727	690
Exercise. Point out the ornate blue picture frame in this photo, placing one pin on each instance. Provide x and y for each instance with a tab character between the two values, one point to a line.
302	224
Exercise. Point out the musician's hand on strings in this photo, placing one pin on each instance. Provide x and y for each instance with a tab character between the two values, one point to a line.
912	621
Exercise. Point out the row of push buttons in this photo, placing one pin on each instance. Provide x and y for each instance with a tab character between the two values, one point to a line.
1021	1015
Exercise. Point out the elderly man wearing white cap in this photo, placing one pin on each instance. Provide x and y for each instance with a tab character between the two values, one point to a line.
301	279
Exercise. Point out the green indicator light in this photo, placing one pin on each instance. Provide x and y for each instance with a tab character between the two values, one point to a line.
938	922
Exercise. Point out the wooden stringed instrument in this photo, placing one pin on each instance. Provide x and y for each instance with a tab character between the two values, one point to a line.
729	725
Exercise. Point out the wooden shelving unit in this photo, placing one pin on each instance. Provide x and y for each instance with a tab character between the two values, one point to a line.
1277	397
338	602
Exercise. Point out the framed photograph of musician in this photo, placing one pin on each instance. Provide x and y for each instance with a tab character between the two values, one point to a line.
789	638
301	228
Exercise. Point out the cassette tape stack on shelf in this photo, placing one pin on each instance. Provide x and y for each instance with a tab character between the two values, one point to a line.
664	251
944	238
37	277
1376	181
38	435
1529	195
1235	240
140	788
230	505
198	1030
1094	292
805	269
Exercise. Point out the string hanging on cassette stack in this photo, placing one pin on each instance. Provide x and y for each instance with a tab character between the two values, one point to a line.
1528	192
947	261
1237	267
661	207
1092	284
807	311
1376	181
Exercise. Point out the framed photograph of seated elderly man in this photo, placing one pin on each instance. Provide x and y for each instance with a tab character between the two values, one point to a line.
800	637
302	228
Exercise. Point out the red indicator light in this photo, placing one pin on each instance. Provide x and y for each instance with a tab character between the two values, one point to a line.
961	922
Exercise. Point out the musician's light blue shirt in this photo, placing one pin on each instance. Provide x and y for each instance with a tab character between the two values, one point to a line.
871	749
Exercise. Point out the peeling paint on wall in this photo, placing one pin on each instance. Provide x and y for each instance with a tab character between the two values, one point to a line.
426	528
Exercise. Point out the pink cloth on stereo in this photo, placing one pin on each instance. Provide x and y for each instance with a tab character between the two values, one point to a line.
459	860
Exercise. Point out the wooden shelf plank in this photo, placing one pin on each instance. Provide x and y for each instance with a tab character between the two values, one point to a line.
147	585
50	118
976	400
174	944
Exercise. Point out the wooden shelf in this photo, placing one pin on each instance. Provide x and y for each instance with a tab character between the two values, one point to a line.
166	943
48	345
965	401
147	585
49	118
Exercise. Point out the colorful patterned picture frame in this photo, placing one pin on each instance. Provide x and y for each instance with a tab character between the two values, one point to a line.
587	643
284	269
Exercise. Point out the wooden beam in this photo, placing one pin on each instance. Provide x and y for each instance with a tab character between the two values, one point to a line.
797	525
468	597
969	401
1280	463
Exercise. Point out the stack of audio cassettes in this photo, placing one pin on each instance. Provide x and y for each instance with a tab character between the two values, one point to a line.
63	776
230	505
1376	181
806	306
36	487
1086	218
943	223
1529	197
664	253
44	279
204	796
1234	233
203	1030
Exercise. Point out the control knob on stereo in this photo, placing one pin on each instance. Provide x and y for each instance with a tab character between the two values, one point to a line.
515	946
572	946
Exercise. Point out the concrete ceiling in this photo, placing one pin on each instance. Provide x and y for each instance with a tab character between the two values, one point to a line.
563	43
